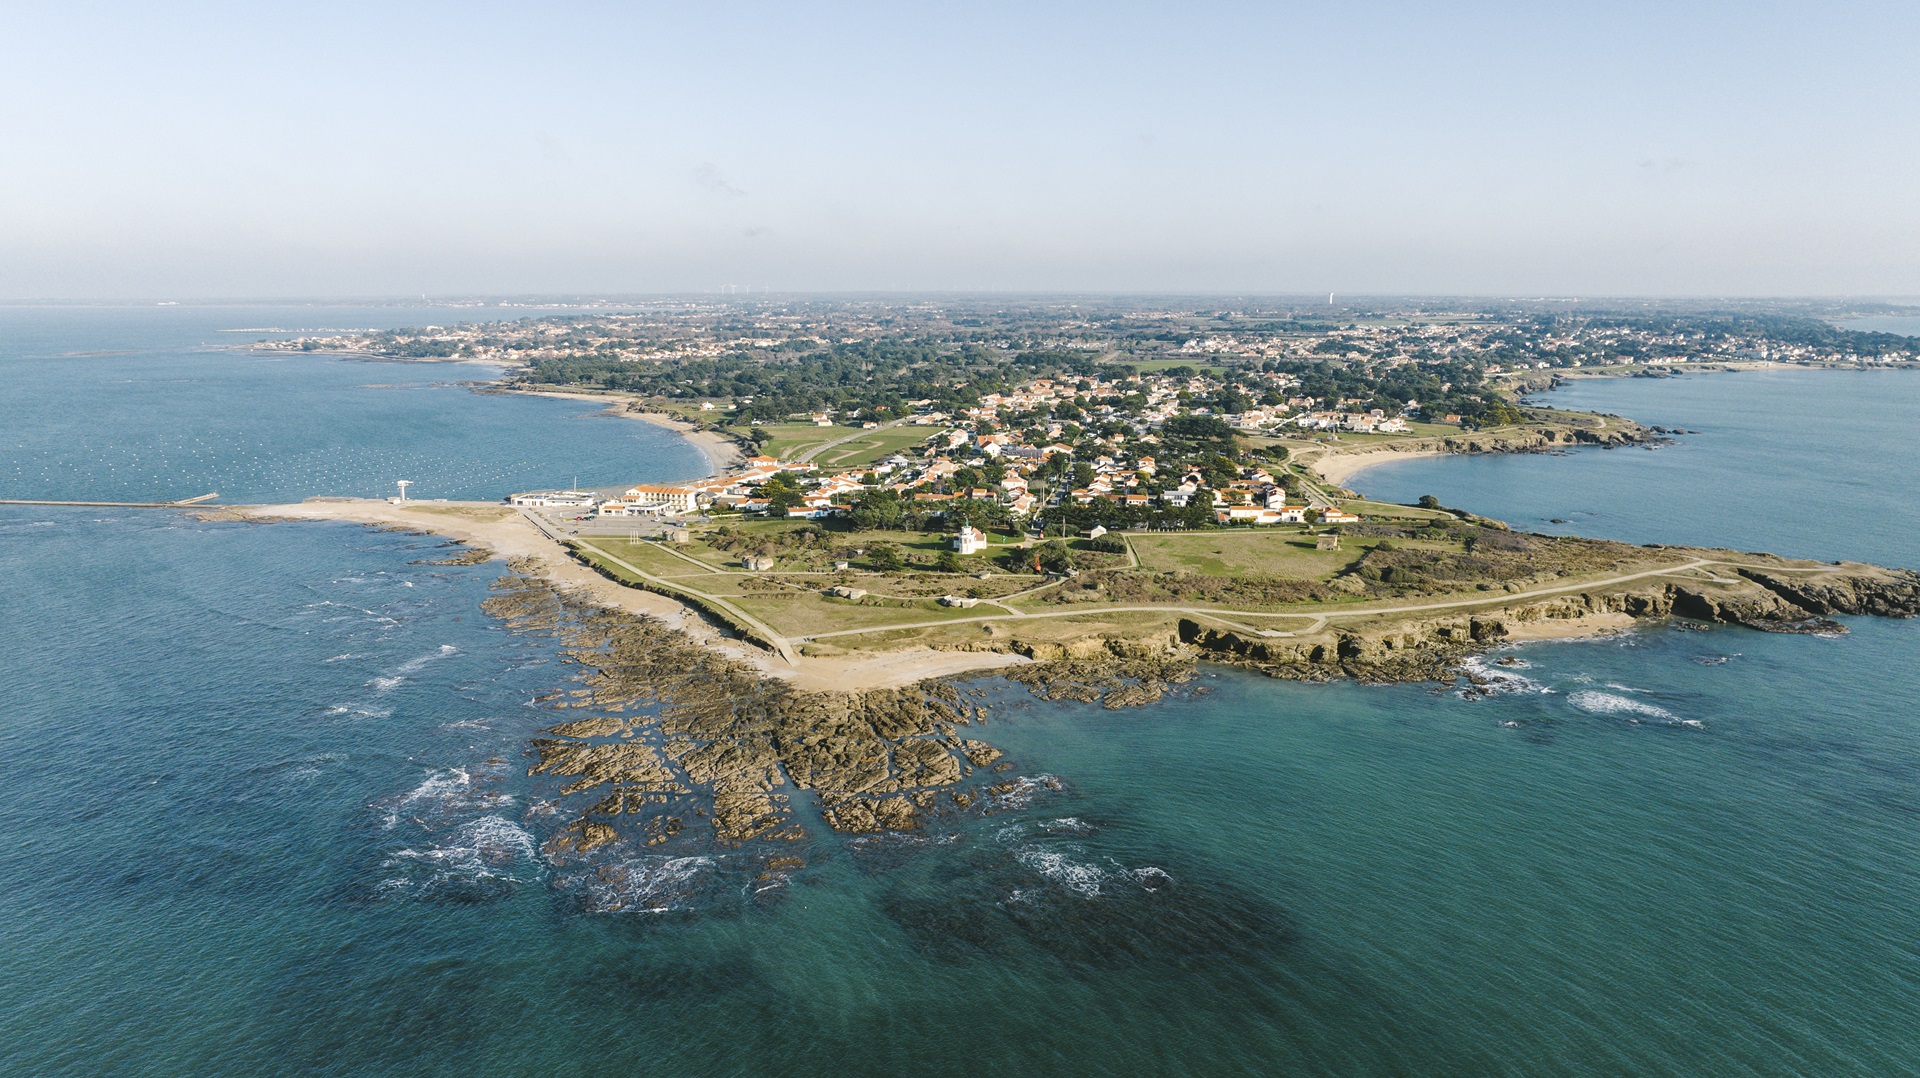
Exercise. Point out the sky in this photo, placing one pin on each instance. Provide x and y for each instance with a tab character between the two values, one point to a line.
188	151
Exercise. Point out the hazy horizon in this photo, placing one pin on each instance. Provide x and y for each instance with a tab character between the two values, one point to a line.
1715	151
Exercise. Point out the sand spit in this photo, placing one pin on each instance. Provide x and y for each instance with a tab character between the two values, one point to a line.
508	534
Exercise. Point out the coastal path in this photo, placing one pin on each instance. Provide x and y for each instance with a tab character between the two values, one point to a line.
778	642
183	503
1319	620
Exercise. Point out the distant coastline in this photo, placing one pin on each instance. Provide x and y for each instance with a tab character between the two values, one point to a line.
722	453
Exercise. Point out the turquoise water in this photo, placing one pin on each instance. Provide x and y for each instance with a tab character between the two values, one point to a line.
1817	463
265	813
146	404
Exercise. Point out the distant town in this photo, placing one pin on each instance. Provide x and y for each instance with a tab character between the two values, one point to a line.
1063	417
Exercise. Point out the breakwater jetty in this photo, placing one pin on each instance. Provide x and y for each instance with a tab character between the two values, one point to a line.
181	504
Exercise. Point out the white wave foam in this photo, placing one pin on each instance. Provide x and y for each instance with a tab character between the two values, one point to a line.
646	884
1081	877
445	792
1610	705
385	684
486	851
1067	825
1488	679
1020	792
414	665
1085	878
358	712
1152	877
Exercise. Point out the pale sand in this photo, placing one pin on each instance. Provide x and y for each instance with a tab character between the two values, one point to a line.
508	534
1337	468
1569	628
722	454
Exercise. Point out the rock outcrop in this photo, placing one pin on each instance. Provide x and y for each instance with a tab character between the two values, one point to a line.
1421	648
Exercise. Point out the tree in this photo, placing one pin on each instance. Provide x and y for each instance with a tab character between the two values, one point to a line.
885	557
878	510
782	492
759	436
1055	556
948	562
1428	501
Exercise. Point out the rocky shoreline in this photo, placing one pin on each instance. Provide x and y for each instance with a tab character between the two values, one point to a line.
679	745
1431	648
1609	432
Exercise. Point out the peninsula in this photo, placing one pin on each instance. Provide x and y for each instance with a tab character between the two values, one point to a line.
895	511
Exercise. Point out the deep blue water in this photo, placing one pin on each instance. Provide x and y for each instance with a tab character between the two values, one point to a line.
266	813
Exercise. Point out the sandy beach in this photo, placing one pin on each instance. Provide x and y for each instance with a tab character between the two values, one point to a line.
722	453
1569	628
508	534
1337	468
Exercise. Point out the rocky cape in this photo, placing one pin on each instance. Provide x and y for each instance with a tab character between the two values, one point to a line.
1420	647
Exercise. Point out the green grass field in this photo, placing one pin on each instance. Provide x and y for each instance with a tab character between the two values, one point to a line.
1279	551
875	445
791	439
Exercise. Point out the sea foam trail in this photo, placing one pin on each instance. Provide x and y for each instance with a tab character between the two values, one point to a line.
1594	702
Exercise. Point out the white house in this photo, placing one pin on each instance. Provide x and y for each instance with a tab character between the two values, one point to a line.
970	540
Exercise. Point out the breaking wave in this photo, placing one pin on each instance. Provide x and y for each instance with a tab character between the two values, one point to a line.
413	665
443	796
1085	877
658	884
1020	792
1607	704
1489	679
477	861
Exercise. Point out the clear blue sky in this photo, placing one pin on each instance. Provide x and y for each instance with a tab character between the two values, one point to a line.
187	151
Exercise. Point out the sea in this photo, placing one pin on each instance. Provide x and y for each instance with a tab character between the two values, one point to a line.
265	808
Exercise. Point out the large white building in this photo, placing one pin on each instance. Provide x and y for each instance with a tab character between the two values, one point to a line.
970	540
674	499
